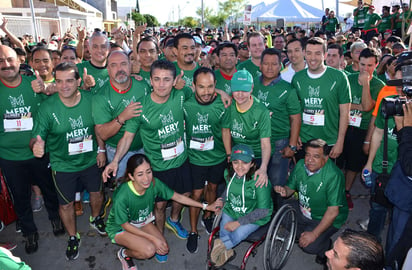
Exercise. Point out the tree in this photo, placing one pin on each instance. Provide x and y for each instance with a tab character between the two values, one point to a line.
217	20
138	18
151	20
188	22
232	8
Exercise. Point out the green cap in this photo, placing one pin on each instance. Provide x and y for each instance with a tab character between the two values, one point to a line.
242	80
242	152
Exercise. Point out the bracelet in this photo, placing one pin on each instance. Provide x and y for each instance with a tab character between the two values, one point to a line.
366	142
100	150
204	206
118	121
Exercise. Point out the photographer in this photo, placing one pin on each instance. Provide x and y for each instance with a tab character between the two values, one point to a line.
391	109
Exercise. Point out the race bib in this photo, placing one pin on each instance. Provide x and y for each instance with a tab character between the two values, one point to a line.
17	122
200	144
78	147
172	150
140	224
313	119
361	21
305	211
355	119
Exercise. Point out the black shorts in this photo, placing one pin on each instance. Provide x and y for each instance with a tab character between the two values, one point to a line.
203	174
353	158
177	179
66	183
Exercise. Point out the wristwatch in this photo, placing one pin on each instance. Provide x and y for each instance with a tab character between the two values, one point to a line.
293	148
204	206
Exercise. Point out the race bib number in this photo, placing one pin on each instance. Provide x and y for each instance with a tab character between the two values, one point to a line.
172	150
355	119
204	144
305	211
140	224
360	21
78	147
316	119
17	122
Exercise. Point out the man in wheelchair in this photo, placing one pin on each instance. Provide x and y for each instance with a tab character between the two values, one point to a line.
322	208
246	208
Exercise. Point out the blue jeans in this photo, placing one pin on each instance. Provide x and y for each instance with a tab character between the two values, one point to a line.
377	214
396	228
232	239
121	169
278	166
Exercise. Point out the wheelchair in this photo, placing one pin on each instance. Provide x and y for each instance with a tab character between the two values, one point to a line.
278	237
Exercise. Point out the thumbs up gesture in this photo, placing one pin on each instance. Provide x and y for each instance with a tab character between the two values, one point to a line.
180	83
38	147
88	80
37	85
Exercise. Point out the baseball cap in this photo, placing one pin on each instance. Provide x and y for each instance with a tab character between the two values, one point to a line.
242	45
389	31
242	81
242	152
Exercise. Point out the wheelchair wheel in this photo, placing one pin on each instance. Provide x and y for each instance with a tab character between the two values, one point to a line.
280	238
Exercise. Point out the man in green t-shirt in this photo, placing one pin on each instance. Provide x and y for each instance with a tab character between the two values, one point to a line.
18	107
256	45
95	68
372	21
386	23
396	20
204	112
116	103
331	24
364	91
359	15
65	125
355	50
161	126
227	54
324	95
321	208
184	49
281	100
147	53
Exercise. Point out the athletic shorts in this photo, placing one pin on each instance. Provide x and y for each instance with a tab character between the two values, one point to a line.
353	158
202	174
66	183
177	179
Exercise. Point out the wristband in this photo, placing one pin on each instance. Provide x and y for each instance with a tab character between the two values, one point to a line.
204	206
366	142
100	150
293	148
118	121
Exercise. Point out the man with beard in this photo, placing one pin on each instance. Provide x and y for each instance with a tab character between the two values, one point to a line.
18	105
184	49
116	103
227	53
204	113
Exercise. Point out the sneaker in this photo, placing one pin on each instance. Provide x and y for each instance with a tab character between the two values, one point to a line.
86	197
363	223
98	224
32	243
106	205
176	228
208	224
8	245
349	200
217	250
72	251
78	208
37	203
18	226
127	262
191	244
161	258
58	228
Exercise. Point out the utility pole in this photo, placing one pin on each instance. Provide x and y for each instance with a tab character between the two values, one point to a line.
33	18
203	15
137	6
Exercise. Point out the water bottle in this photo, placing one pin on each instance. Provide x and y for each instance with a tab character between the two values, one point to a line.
367	177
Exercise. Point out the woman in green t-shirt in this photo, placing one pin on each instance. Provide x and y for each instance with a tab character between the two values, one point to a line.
130	222
247	206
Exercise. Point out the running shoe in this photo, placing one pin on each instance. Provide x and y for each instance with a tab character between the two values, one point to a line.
18	226
208	224
177	228
72	251
37	203
32	243
191	244
127	262
86	197
161	258
98	224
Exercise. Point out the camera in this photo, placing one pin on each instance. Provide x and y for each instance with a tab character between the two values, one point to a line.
393	106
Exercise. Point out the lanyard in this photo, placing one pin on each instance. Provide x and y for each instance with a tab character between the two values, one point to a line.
243	190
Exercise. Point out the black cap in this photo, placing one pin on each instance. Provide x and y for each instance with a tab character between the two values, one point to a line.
404	59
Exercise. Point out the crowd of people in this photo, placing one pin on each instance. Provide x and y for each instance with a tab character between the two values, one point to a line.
216	120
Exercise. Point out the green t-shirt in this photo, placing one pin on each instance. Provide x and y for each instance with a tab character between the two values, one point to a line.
222	83
407	17
249	127
251	67
100	74
385	24
358	118
204	131
319	191
333	23
320	99
371	19
392	142
187	74
129	206
282	101
161	128
68	132
242	197
8	263
18	107
359	20
108	103
146	77
395	16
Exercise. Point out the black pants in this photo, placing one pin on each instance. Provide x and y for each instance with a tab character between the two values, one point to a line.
20	175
